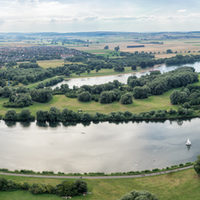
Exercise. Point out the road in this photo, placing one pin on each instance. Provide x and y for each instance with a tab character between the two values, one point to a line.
96	177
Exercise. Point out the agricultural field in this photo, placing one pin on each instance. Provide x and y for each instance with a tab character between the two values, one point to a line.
50	63
182	46
182	185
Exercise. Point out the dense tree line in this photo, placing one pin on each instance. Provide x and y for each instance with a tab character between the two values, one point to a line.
180	59
55	115
156	83
64	189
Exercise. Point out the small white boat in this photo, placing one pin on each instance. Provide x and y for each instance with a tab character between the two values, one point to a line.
188	142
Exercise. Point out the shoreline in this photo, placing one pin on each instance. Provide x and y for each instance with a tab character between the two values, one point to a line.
83	176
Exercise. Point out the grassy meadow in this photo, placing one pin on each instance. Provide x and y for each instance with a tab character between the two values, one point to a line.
61	102
183	185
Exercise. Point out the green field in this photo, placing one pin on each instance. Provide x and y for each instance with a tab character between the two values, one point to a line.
50	63
182	185
61	102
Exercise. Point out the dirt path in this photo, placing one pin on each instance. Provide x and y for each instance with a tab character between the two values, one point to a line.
96	177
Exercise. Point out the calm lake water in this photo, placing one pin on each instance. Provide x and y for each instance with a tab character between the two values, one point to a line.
99	147
121	78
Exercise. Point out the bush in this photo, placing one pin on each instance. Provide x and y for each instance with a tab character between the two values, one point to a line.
135	195
69	188
38	189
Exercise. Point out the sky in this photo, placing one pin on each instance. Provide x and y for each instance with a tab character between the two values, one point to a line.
99	15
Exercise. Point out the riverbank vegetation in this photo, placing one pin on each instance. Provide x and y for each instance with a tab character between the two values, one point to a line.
93	174
64	189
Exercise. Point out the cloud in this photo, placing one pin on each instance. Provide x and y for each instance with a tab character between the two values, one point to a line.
92	15
181	10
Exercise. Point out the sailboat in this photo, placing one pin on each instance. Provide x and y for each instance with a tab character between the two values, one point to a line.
188	142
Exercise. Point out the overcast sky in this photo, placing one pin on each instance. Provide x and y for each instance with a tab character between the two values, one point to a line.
99	15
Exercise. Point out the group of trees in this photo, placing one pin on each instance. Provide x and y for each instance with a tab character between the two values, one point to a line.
23	116
64	189
41	95
156	83
188	96
22	97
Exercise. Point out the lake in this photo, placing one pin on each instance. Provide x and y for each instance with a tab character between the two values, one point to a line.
121	77
102	147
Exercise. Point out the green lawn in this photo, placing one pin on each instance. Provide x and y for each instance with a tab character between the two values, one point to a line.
182	185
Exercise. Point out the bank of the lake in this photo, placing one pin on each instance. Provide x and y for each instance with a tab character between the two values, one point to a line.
182	185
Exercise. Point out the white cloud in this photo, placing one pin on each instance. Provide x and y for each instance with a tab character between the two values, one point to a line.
92	15
181	10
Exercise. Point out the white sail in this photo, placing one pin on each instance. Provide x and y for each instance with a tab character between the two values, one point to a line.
188	143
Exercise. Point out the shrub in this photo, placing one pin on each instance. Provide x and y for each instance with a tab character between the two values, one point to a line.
142	195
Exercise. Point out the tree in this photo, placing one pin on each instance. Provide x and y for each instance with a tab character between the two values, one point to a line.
42	116
119	69
10	115
117	48
54	115
197	165
178	97
106	47
169	51
133	67
126	99
84	97
141	92
25	115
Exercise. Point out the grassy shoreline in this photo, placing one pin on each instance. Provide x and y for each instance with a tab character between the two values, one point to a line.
181	185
